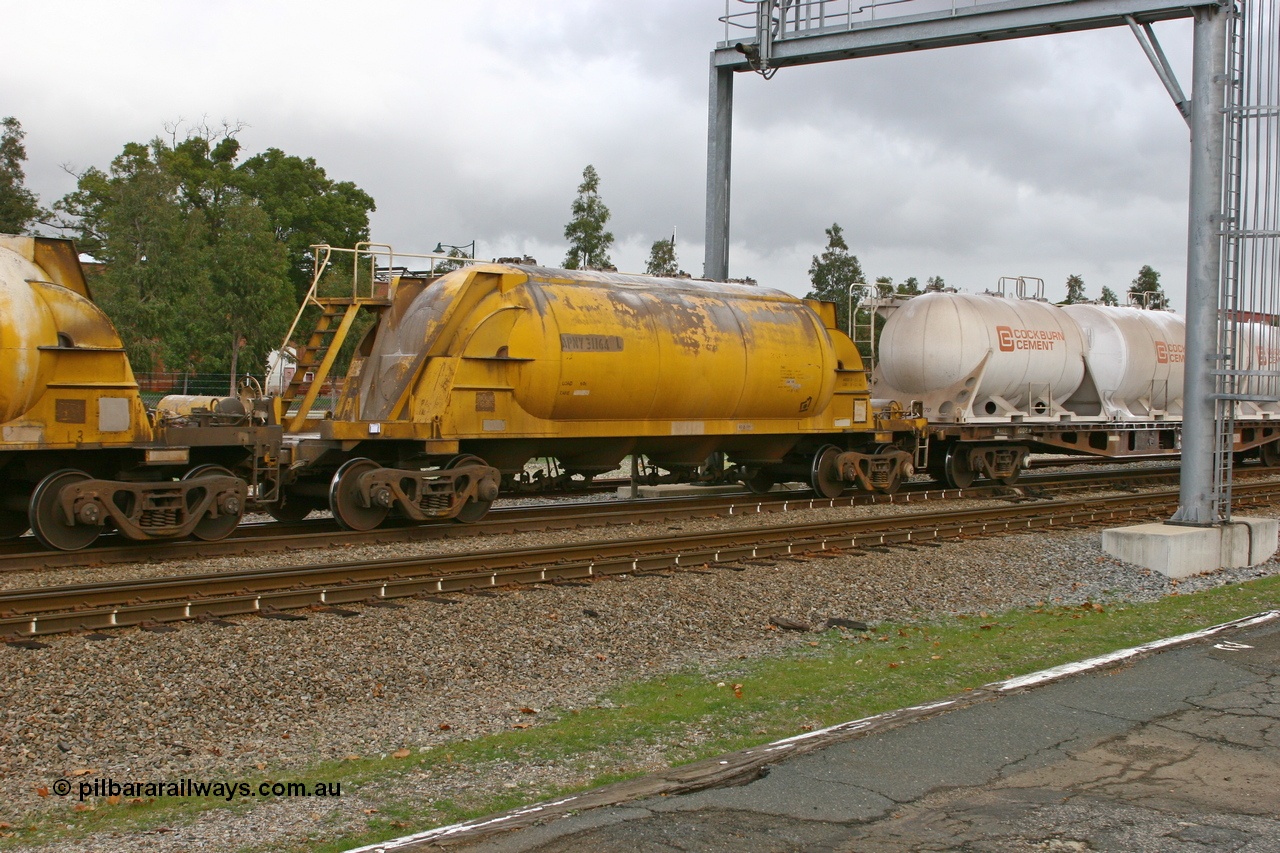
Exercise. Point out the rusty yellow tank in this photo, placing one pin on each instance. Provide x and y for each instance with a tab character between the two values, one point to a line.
466	377
27	324
64	378
493	351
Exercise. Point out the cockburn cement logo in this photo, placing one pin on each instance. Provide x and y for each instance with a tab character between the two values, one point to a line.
1167	353
1266	357
1023	339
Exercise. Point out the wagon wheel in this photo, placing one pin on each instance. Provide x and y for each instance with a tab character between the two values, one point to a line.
474	509
293	508
760	482
937	467
211	528
824	476
49	523
1269	453
13	523
344	497
959	473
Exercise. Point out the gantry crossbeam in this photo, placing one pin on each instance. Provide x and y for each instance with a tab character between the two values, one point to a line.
983	22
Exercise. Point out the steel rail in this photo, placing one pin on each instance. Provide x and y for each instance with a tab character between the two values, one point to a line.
34	612
319	533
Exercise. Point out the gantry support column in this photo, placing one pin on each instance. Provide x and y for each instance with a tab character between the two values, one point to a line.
715	263
1204	260
1196	539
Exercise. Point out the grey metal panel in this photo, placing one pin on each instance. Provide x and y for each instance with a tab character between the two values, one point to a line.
982	23
715	263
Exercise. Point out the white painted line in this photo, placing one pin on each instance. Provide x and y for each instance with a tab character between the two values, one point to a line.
454	829
1066	669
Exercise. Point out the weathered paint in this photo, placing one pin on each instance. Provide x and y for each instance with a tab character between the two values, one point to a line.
25	325
559	346
64	377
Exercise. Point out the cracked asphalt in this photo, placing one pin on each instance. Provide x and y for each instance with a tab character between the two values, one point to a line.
1177	751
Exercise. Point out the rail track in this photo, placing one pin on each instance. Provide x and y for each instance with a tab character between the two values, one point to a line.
96	606
26	555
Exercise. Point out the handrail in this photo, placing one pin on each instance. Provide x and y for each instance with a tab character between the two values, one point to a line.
1020	286
870	299
1144	299
323	256
793	18
1024	280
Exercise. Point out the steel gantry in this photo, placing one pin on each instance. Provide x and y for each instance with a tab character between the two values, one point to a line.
765	35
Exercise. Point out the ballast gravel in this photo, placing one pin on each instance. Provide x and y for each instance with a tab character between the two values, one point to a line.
268	698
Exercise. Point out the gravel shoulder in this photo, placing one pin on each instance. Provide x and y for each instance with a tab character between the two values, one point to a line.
266	696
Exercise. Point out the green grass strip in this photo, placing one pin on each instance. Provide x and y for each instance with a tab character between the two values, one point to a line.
831	678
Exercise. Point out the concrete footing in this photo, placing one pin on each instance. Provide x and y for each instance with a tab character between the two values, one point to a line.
1180	552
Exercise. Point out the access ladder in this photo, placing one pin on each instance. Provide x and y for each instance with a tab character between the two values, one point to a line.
314	359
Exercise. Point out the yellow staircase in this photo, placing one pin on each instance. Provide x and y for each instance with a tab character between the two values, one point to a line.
314	359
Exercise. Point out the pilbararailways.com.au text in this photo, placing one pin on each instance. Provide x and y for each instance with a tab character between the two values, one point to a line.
109	787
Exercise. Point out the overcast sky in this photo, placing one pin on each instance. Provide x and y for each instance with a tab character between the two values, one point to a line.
474	120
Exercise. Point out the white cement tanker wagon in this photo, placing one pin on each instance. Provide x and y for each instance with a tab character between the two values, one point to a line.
1134	359
988	358
997	376
1257	347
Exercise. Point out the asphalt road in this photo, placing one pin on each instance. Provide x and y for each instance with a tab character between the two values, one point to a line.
1175	750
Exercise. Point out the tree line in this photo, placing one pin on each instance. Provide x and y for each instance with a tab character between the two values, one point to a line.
834	273
205	256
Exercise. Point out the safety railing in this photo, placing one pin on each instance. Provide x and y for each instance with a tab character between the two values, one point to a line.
373	266
781	19
864	301
1023	286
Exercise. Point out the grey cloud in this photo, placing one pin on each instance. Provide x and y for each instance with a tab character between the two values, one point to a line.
474	121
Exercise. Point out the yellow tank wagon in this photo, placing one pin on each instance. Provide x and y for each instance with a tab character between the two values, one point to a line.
79	452
467	376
